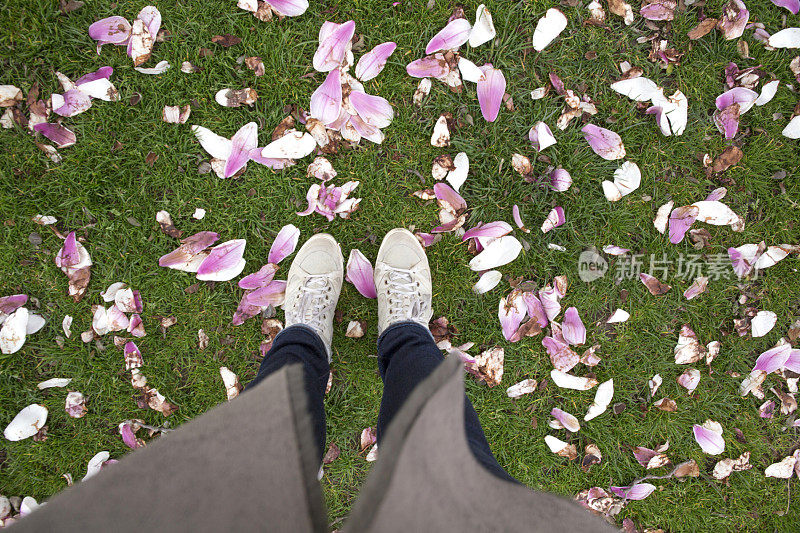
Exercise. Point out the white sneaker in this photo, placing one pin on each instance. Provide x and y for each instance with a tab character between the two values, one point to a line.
313	286
403	280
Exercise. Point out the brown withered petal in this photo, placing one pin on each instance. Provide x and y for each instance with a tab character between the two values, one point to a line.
488	366
331	455
167	226
592	457
355	329
687	469
788	402
702	29
202	339
284	126
68	7
236	98
666	404
226	40
255	64
151	158
729	157
656	287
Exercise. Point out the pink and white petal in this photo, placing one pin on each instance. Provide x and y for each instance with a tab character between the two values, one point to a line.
326	101
698	287
432	66
727	121
773	359
738	95
640	491
717	194
9	304
709	439
373	62
224	263
554	219
470	71
374	110
492	229
71	103
284	244
60	135
151	18
518	219
718	214
560	179
512	311
791	5
273	294
289	8
312	197
680	220
615	250
536	310
69	254
451	37
564	420
549	298
110	30
445	193
217	146
359	272
259	279
734	19
242	143
269	162
604	142
427	239
490	91
136	326
573	330
332	51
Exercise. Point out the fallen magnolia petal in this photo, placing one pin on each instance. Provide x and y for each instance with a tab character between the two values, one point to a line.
548	28
491	89
698	287
762	323
160	68
621	9
573	330
173	114
326	101
128	301
602	399
458	175
518	219
726	467
640	88
272	294
559	447
496	253
688	350
618	316
372	455
10	95
236	97
355	329
560	180
259	279
662	217
284	244
293	145
231	382
627	179
488	366
13	331
422	91
640	491
96	464
26	423
451	37
487	281
656	287
792	129
603	142
569	381
511	312
526	386
718	214
60	135
483	30
334	45
75	405
734	19
54	382
654	383
783	469
224	262
441	133
564	420
75	262
44	220
791	5
752	383
373	62
666	404
540	136
768	91
189	68
492	229
127	431
786	38
191	253
554	219
709	437
690	379
360	273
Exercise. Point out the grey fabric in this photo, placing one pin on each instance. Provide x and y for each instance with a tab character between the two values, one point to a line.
426	479
245	465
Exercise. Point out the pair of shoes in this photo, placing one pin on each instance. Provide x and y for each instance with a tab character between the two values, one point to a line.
402	279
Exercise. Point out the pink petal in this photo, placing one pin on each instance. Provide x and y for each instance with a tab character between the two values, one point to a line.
68	255
57	133
568	421
517	218
152	19
327	99
128	436
374	110
727	121
224	263
536	309
680	220
734	18
361	274
246	310
773	359
446	193
133	357
9	304
549	297
284	244
555	219
312	197
289	8
136	326
490	91
640	491
741	264
561	355
718	193
332	50
433	66
492	229
658	10
573	330
511	312
711	442
791	5
242	143
603	142
560	180
661	119
189	248
793	361
426	239
111	30
71	103
272	294
451	37
738	95
612	249
259	279
643	455
540	136
372	63
103	73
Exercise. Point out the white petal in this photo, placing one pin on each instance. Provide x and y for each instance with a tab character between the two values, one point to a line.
483	31
555	445
458	176
620	315
111	292
293	145
66	324
27	423
783	469
35	323
55	382
13	331
498	252
662	216
217	146
640	89
718	214
762	323
569	381
526	386
548	28
792	129
469	70
441	134
602	397
768	92
627	178
95	464
487	282
611	191
160	68
786	38
199	213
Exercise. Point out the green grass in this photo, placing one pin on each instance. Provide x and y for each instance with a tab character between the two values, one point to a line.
95	190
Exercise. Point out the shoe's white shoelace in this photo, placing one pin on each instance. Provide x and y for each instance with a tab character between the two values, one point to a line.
403	295
315	298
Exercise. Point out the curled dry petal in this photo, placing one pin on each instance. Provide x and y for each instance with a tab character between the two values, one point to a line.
359	272
569	381
656	287
490	92
561	448
191	253
451	37
548	28
488	366
511	312
231	382
26	423
75	405
283	246
603	142
688	350
734	19
783	469
689	379
372	63
224	263
709	437
441	133
698	287
564	420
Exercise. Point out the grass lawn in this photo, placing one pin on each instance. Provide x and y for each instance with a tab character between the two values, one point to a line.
110	197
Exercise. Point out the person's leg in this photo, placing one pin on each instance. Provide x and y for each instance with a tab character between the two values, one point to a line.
313	286
407	353
299	344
